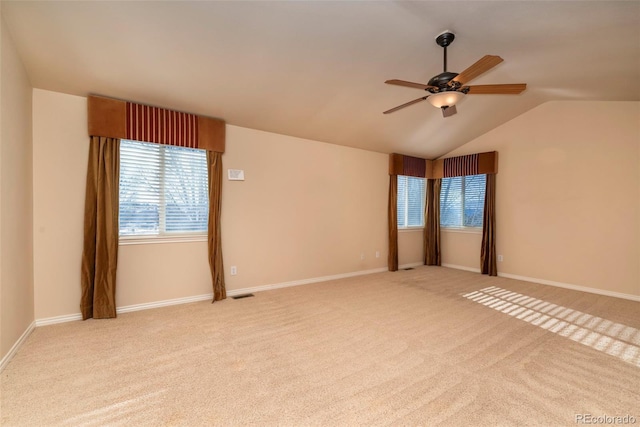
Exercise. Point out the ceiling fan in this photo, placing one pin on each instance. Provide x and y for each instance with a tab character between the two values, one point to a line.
446	89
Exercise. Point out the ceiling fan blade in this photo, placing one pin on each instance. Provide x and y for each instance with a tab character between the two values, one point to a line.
409	84
415	101
506	89
483	65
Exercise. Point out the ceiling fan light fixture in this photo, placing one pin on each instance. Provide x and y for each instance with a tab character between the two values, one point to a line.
445	99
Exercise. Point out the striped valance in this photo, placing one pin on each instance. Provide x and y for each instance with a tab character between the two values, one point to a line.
472	164
128	120
461	165
160	125
400	164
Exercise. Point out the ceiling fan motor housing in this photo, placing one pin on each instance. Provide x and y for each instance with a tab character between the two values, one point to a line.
442	80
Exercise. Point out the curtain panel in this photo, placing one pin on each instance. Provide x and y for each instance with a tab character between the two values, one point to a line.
109	121
214	235
432	223
488	249
100	246
392	261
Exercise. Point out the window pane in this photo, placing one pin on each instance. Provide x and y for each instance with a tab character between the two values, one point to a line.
415	202
462	201
186	190
163	189
411	198
139	188
402	201
451	202
474	188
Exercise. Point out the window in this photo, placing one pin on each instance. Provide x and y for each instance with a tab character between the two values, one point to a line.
163	190
462	201
411	199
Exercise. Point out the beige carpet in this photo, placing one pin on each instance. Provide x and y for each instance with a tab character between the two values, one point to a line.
430	346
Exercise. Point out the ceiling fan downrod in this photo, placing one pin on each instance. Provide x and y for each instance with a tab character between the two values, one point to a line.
441	81
443	40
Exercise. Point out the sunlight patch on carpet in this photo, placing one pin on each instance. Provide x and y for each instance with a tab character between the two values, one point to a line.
609	337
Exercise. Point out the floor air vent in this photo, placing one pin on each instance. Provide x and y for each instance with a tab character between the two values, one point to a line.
410	268
242	296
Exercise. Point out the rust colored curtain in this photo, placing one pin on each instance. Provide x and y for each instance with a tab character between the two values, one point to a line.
393	223
488	250
214	168
432	223
100	250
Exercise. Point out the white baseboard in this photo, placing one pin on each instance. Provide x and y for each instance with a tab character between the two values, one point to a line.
554	283
462	267
165	303
573	287
303	282
205	297
7	358
126	309
410	265
58	319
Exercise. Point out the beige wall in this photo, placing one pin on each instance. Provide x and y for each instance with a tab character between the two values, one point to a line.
60	151
568	196
410	246
306	210
16	256
461	248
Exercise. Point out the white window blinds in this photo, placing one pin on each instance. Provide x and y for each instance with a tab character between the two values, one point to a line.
411	198
163	190
462	201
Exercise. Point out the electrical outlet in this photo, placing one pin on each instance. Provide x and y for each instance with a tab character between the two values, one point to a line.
500	258
234	270
362	256
377	254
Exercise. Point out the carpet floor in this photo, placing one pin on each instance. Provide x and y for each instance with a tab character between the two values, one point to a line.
429	346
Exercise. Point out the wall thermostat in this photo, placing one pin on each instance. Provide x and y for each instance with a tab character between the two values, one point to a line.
235	174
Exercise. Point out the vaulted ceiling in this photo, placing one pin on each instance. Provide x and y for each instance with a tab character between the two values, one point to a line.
316	69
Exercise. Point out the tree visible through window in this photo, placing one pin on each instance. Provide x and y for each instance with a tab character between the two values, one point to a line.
163	189
462	201
411	198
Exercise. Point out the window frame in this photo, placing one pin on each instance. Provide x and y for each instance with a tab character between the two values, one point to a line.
163	236
153	239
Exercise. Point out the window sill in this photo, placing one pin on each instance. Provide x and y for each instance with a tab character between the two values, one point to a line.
463	230
410	229
152	240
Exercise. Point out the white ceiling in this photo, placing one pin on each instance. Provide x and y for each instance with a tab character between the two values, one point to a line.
317	69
